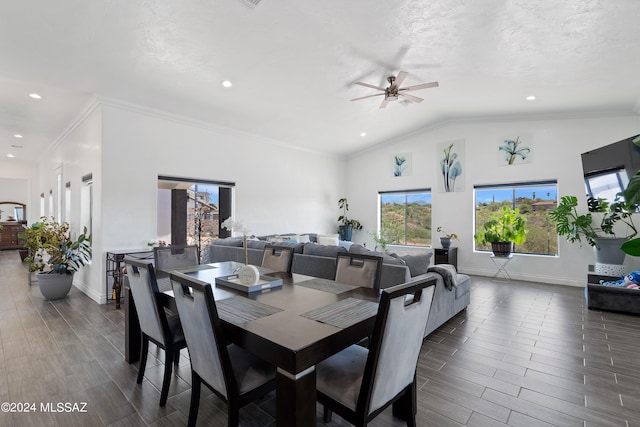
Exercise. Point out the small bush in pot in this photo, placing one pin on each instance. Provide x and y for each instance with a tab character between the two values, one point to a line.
505	226
53	249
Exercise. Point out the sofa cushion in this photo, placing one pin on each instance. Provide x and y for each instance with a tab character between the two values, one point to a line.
386	259
229	241
418	263
256	244
463	285
322	250
297	247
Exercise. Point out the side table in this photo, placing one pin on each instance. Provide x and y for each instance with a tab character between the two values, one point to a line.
501	262
446	256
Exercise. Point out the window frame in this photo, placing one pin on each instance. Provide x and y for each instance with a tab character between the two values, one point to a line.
405	193
514	187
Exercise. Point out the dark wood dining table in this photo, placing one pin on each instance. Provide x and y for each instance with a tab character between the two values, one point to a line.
289	338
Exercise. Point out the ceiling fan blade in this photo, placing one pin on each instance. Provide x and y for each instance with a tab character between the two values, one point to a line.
368	85
420	86
384	103
401	76
410	97
368	96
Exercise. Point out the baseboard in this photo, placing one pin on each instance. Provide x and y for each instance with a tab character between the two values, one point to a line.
98	297
540	278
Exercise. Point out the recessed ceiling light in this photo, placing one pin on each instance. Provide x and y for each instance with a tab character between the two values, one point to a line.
363	134
530	98
10	155
227	83
17	135
35	96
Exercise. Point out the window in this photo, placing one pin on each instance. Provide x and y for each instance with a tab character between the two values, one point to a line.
86	203
405	217
606	184
533	200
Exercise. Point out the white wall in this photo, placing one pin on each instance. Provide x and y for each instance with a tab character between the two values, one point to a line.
17	178
78	150
557	145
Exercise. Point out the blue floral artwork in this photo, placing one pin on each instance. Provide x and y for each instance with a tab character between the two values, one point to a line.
402	164
451	165
514	151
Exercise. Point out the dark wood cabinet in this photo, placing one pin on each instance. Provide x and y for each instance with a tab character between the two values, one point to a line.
446	256
9	235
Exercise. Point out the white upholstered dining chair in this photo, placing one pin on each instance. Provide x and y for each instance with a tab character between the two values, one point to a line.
277	258
233	374
156	324
359	383
358	269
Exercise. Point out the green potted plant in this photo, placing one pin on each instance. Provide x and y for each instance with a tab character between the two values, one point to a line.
347	225
597	227
55	255
504	228
632	196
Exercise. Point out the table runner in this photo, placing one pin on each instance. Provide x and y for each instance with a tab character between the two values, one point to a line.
326	285
238	310
343	314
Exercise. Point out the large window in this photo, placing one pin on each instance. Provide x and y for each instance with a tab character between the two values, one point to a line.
405	217
533	200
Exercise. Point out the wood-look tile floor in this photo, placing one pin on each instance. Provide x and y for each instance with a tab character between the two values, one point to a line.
522	354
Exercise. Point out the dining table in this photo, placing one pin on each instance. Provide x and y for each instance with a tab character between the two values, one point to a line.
294	327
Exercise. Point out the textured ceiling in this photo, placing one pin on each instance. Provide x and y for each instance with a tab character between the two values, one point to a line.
293	63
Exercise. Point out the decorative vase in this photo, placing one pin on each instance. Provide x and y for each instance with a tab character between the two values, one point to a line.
502	249
54	286
445	242
610	258
345	232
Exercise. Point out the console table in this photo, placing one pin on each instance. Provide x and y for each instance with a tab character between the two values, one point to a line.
611	298
114	271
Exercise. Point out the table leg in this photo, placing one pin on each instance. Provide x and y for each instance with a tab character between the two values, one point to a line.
296	398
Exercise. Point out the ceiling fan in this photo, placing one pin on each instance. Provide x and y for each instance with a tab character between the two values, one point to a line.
394	91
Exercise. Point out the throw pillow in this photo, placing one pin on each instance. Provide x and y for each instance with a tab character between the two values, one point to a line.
417	263
331	239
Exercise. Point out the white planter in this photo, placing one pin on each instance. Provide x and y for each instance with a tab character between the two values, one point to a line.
54	286
610	258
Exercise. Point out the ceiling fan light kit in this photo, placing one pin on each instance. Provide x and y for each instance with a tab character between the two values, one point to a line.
394	91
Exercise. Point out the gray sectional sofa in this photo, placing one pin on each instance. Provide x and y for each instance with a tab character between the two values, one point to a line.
317	260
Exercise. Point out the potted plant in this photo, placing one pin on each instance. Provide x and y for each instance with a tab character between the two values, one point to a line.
600	234
55	255
632	196
445	240
347	225
504	228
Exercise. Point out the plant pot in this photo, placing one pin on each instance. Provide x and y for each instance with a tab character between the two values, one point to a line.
23	254
445	242
345	231
502	249
54	286
610	258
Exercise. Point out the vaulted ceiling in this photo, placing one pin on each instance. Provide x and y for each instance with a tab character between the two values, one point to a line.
293	64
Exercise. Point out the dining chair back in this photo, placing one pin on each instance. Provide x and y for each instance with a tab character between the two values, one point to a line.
359	383
232	373
277	258
156	324
167	258
358	269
